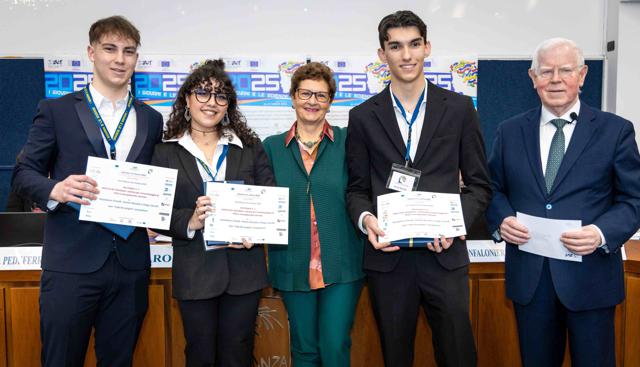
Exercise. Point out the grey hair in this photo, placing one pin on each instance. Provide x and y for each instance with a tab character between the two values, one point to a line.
554	43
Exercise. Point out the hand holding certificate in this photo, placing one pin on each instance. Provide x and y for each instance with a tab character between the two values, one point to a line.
545	236
420	214
258	214
130	194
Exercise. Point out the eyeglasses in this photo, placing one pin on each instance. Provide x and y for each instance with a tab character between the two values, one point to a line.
204	96
564	72
305	94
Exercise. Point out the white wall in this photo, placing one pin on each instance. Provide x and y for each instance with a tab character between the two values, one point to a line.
488	28
628	78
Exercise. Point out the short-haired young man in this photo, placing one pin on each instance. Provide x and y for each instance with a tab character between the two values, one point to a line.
442	139
92	278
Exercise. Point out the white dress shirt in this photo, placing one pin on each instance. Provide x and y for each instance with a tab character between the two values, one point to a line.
547	130
187	143
111	116
403	125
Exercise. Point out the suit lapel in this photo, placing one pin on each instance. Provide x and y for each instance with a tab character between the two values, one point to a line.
581	134
189	164
435	109
383	110
233	162
90	126
531	139
142	132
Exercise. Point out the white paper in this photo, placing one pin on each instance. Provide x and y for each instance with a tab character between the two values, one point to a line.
131	194
486	251
420	214
259	214
545	236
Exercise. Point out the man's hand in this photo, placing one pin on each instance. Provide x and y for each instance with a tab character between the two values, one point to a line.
583	241
514	232
370	223
75	189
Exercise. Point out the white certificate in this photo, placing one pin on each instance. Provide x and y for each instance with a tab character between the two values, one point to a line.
131	194
420	214
545	236
259	214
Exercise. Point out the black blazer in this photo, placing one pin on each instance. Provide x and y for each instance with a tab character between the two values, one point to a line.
200	274
63	135
450	141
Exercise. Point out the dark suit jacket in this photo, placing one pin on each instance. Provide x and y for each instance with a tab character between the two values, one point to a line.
450	142
63	135
598	183
200	274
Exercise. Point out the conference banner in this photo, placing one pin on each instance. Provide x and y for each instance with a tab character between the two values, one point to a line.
158	79
360	77
261	83
66	74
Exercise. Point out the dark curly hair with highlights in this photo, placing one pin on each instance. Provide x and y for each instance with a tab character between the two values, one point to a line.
202	76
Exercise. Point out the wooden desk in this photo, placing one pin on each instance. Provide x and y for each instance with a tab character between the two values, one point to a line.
161	342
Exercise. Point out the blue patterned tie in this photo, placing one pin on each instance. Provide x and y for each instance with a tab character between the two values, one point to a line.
556	152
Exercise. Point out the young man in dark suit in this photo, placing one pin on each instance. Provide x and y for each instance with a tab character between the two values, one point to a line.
435	131
565	160
92	277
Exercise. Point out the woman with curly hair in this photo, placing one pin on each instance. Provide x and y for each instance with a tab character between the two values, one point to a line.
207	139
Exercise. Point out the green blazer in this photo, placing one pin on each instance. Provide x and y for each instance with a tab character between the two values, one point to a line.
340	244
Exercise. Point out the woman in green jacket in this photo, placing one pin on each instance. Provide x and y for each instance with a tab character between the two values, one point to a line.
320	272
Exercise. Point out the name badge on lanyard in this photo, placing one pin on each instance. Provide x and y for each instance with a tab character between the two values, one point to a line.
225	151
112	140
405	178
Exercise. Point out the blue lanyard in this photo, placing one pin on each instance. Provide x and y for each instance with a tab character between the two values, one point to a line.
225	150
416	111
105	132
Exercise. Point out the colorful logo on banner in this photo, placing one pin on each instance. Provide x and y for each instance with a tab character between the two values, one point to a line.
64	75
353	87
467	70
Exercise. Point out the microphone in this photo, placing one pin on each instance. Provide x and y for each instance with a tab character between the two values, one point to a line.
574	117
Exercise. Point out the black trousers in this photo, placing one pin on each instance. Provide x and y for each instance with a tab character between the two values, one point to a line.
220	330
113	300
543	325
419	280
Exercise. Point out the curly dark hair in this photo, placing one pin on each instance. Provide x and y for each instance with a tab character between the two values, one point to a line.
313	71
203	76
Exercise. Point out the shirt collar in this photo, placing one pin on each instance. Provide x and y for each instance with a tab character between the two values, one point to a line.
546	115
327	130
101	101
424	100
187	142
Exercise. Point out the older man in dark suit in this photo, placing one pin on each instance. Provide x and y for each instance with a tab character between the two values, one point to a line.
415	123
93	277
565	160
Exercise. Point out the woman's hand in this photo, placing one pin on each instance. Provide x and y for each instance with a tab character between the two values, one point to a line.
245	245
203	207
